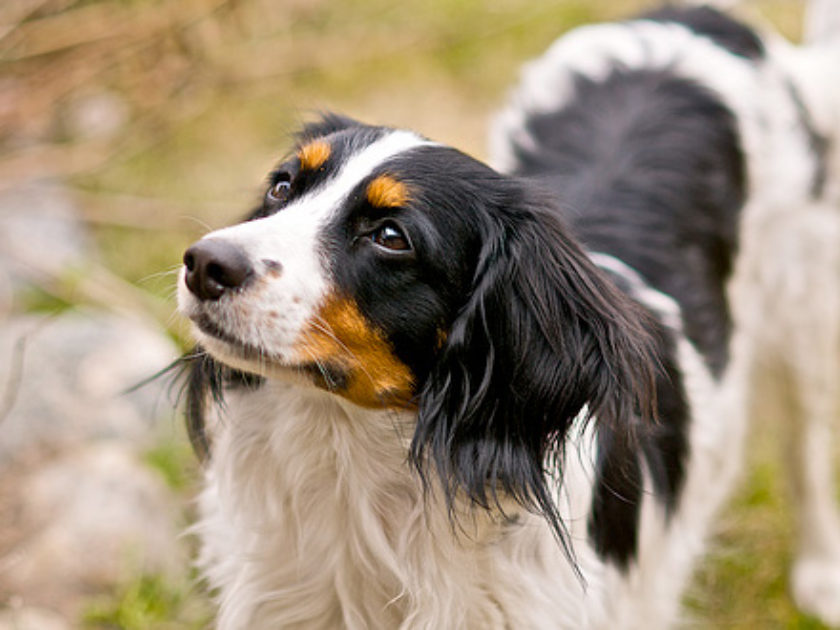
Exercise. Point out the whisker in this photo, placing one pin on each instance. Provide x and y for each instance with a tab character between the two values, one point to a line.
324	326
331	384
200	222
171	271
173	317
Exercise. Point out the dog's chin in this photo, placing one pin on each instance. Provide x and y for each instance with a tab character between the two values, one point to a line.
245	358
241	356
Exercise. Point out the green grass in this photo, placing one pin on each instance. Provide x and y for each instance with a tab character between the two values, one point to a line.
743	581
175	461
146	602
34	299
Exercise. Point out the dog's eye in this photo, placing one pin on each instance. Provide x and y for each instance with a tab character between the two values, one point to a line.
280	190
391	237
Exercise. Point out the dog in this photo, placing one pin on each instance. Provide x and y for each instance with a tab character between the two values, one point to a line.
434	394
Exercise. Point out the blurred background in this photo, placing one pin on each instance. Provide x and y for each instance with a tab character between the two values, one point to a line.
128	128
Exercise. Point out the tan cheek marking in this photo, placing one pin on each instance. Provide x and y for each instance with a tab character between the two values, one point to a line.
387	192
313	155
340	336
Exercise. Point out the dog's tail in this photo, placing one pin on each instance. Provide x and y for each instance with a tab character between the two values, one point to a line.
813	69
820	68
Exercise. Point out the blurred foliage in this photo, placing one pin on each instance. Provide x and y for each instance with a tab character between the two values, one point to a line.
149	601
175	461
164	115
742	584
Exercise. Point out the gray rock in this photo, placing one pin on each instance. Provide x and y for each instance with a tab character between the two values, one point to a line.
28	618
5	294
86	522
40	232
64	382
80	513
98	115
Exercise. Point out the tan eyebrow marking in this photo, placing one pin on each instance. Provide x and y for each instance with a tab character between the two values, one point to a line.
313	155
387	192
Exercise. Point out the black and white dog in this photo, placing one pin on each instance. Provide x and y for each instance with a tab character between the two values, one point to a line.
459	397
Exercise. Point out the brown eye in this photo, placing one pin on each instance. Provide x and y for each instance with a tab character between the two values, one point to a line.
280	190
391	237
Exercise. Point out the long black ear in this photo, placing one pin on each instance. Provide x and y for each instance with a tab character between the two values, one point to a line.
204	383
545	338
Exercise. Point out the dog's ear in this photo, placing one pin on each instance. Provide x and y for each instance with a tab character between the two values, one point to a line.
204	383
544	341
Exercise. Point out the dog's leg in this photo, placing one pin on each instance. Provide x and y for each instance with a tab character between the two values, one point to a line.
816	571
788	305
814	68
813	353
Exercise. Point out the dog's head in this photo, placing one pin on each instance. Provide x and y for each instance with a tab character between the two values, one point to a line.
399	273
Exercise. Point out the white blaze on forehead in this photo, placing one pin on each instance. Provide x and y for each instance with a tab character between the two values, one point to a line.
314	209
294	238
362	164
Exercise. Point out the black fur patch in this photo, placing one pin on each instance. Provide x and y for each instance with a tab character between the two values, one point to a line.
662	445
818	143
206	382
650	169
734	36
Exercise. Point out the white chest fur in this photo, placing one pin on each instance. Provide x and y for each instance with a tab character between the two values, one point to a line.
312	518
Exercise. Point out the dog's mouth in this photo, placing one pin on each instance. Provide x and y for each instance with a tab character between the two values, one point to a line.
243	349
325	375
341	355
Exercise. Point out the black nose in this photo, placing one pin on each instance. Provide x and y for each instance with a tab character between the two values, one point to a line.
215	266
